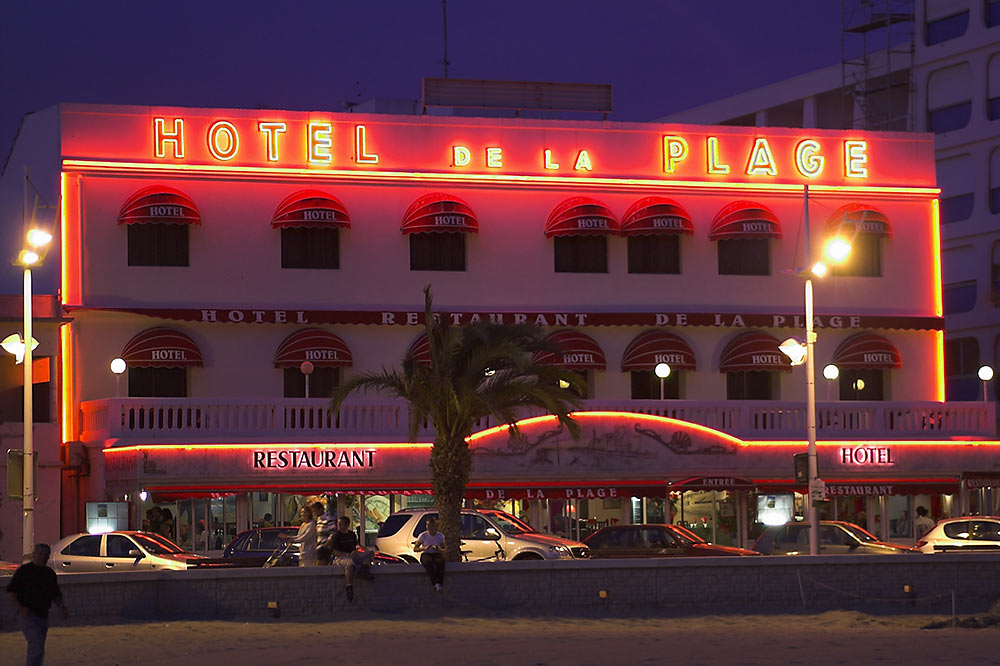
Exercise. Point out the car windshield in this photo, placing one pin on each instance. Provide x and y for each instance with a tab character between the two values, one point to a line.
157	545
509	524
862	535
684	536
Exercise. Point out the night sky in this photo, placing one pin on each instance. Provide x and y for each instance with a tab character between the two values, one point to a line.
660	56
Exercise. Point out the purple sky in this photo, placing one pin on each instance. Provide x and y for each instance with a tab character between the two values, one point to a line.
660	56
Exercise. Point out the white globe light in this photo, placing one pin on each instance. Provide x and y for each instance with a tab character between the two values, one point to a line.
838	250
39	238
118	366
859	385
662	370
831	372
794	349
986	373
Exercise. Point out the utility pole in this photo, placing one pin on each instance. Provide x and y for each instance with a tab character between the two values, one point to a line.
444	12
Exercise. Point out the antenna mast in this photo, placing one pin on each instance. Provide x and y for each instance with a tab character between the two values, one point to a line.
444	12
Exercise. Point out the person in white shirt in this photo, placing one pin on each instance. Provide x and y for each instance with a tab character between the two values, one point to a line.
430	545
923	523
306	538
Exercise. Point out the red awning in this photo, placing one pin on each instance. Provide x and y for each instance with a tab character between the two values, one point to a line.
159	204
310	208
161	348
420	350
656	215
653	347
577	351
753	351
321	348
439	212
580	216
856	218
744	219
867	350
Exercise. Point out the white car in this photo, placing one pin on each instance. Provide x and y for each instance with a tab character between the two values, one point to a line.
962	535
119	551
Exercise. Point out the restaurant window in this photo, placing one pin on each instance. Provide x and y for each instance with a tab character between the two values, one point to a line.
751	385
861	384
961	368
646	385
437	251
581	254
157	382
959	297
744	256
947	28
654	254
12	395
310	247
865	259
322	382
157	244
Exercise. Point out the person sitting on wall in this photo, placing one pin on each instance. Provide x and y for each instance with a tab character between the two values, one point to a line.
344	548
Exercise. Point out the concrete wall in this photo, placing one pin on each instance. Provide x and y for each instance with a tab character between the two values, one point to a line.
691	586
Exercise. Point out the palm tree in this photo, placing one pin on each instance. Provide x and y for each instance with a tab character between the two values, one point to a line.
476	371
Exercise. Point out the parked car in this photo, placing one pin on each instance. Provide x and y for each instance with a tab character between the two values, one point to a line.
487	535
655	540
962	535
835	538
119	551
253	547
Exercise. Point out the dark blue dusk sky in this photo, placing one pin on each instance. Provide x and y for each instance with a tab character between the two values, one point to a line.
660	56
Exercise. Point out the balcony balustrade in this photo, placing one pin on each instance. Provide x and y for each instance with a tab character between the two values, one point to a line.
208	420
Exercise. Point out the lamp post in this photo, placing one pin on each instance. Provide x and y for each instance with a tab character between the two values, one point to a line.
118	366
985	374
662	370
37	242
830	373
307	369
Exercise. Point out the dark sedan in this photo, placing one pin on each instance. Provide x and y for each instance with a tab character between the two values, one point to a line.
252	547
654	540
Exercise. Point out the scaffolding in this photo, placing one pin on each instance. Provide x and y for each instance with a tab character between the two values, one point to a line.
877	52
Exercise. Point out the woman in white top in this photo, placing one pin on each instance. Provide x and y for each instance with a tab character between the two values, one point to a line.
306	538
430	545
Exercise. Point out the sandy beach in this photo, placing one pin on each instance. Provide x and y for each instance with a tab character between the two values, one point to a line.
839	637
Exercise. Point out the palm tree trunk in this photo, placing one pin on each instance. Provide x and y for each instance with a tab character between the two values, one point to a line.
450	464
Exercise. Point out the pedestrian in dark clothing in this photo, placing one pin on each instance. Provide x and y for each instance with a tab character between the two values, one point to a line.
344	548
32	590
430	545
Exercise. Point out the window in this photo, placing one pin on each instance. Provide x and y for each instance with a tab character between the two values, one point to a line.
992	12
985	530
310	247
944	29
437	251
646	385
949	118
861	384
85	546
949	103
322	382
959	530
119	546
475	527
654	254
744	256
995	181
995	275
865	259
422	523
581	254
157	244
157	382
12	397
961	367
958	208
585	376
959	297
393	524
751	385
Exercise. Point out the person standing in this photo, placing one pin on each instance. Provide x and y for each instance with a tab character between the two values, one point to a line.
325	525
33	589
922	524
430	545
306	538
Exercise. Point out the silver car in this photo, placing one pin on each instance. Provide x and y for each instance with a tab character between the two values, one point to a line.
488	535
119	551
962	535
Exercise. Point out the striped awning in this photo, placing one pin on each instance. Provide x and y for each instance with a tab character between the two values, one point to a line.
654	347
161	348
656	215
321	348
159	204
310	208
420	350
753	351
439	212
744	219
577	351
856	218
581	216
867	351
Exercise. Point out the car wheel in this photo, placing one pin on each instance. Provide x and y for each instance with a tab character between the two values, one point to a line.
528	556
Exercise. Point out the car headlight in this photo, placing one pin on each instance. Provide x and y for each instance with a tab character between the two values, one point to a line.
559	550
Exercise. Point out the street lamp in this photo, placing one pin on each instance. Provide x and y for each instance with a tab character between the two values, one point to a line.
986	374
307	369
37	243
836	250
830	373
662	370
118	366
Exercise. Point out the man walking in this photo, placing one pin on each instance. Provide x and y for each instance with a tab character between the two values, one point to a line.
32	590
344	548
325	525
